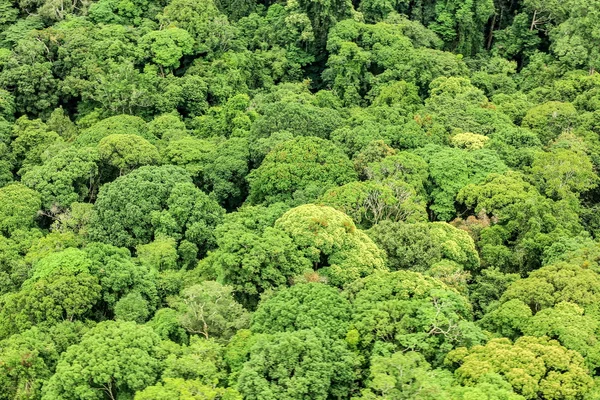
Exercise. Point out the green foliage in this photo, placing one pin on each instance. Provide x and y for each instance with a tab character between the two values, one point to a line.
331	242
303	306
403	166
31	141
410	311
293	365
299	169
575	39
61	288
469	141
457	105
132	307
562	172
202	360
126	152
112	359
488	288
120	276
301	118
535	367
18	208
27	361
553	284
180	389
70	176
167	203
518	237
422	245
252	256
208	309
452	169
408	376
371	202
571	327
362	56
516	146
550	119
168	46
405	376
294	199
119	124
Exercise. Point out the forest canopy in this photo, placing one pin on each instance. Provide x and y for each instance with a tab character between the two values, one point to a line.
299	199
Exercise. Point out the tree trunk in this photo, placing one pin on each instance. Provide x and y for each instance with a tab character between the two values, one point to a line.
491	35
533	22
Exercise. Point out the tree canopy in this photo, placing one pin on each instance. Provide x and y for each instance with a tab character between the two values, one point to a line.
299	199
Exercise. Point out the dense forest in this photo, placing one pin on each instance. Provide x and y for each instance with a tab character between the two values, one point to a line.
299	199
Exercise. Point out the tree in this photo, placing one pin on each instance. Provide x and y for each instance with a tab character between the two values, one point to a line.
26	362
70	176
363	56
209	309
549	120
373	152
456	104
165	202
217	166
517	210
118	124
108	11
368	203
535	367
567	323
469	141
293	365
160	254
180	389
575	40
451	169
461	25
409	311
19	206
61	288
75	220
487	289
516	146
420	246
33	85
303	306
323	14
252	256
132	307
556	283
13	268
167	127
201	360
301	168
193	154
563	172
113	359
236	9
226	174
31	141
300	116
168	46
403	166
127	152
407	375
120	276
330	240
210	30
